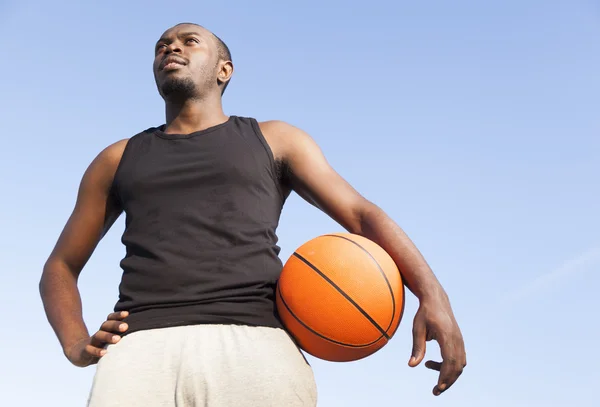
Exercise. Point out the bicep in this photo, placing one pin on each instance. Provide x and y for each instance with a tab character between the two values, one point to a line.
94	213
314	179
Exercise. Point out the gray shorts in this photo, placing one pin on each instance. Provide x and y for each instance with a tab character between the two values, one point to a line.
204	365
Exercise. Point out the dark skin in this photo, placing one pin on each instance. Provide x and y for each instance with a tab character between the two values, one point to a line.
190	77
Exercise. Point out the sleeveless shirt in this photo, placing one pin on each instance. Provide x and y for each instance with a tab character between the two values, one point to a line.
201	212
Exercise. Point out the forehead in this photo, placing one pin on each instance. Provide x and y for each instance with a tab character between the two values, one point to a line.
183	29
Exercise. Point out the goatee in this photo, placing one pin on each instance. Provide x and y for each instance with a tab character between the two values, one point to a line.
178	89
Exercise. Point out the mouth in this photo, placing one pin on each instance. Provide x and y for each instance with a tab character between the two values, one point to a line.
170	63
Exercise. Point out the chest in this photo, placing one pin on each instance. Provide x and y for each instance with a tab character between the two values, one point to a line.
195	168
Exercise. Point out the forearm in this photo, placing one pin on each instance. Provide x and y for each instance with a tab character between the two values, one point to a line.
418	277
62	303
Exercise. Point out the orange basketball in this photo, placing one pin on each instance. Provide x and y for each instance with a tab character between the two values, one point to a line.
341	297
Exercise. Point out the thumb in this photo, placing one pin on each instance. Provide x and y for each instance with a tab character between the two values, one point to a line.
419	343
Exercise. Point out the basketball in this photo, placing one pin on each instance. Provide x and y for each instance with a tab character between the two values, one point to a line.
341	297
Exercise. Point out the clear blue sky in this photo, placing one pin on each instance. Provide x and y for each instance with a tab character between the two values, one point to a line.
474	124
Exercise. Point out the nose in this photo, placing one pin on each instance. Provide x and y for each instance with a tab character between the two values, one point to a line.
173	47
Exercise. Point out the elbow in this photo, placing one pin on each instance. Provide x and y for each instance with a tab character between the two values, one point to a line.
365	214
55	271
47	272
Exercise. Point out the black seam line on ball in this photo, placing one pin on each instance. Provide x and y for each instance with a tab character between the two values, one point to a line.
338	289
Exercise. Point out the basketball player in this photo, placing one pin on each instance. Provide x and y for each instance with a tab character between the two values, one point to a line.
195	323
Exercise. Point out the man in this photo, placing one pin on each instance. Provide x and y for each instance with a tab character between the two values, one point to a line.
196	322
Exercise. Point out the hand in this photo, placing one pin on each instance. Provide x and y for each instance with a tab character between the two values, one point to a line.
88	351
435	320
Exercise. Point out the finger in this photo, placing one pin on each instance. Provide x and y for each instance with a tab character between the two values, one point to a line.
96	352
419	343
117	316
101	338
114	326
450	371
430	364
453	362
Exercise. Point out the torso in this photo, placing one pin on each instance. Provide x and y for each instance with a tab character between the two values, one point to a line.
201	214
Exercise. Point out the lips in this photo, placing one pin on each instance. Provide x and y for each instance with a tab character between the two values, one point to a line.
171	62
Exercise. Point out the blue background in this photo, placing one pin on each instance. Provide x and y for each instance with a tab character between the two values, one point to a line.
473	124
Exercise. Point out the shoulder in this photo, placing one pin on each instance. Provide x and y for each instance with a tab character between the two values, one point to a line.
284	138
279	129
103	167
112	154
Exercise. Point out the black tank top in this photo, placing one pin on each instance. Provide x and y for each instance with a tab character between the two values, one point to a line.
201	213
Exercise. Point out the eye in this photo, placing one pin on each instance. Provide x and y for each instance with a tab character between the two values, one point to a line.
160	47
193	40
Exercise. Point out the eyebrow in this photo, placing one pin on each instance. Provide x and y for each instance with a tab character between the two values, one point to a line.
184	34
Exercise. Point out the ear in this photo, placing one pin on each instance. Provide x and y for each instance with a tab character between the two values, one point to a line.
225	72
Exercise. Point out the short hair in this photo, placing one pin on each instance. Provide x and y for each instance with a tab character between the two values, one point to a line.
223	50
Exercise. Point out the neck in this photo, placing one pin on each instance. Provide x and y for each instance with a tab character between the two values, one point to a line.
193	115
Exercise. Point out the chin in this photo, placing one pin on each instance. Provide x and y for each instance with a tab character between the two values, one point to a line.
177	87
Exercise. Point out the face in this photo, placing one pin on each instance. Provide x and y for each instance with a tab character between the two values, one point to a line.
186	63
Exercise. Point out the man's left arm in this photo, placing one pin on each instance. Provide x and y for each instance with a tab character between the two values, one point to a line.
317	182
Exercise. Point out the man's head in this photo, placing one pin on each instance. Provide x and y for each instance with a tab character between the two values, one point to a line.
191	63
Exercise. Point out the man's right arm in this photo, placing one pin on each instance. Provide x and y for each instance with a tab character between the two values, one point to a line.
94	213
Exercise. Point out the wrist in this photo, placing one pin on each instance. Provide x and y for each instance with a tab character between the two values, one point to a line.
433	294
68	347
